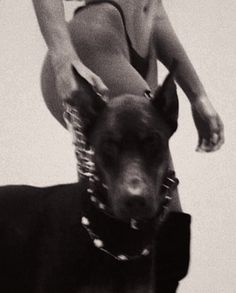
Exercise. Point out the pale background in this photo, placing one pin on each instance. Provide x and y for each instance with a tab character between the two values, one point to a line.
35	150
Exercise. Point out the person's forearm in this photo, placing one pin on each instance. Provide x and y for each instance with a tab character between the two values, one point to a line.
51	18
169	48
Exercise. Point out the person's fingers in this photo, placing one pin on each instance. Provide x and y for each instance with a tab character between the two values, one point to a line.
219	134
211	145
222	139
213	124
210	130
99	86
203	147
219	144
71	92
214	138
216	148
206	146
95	81
84	72
198	148
221	131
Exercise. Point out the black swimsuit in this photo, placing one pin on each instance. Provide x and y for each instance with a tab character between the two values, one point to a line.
139	63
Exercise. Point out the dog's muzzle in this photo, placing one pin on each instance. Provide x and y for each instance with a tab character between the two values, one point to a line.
123	241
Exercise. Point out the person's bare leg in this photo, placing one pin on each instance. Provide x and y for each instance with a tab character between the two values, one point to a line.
103	48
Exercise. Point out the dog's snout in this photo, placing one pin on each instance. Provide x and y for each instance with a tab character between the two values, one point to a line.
135	200
135	187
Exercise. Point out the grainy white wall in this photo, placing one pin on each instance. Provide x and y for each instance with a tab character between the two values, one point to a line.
35	150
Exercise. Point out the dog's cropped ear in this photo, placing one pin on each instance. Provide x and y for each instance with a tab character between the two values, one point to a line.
88	102
166	101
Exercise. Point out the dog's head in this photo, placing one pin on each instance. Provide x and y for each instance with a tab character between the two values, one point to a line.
130	135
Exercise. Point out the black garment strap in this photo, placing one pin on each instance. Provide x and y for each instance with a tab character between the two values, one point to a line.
140	63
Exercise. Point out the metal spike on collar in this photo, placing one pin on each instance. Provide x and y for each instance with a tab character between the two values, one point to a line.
104	186
134	224
146	252
122	257
93	199
89	190
84	154
170	179
99	244
166	186
85	221
148	95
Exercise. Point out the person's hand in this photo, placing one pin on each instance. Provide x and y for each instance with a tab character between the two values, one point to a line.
209	125
66	67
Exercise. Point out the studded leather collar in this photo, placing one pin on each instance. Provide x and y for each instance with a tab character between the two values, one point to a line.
121	240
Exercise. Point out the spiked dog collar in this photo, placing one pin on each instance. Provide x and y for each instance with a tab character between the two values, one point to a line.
121	240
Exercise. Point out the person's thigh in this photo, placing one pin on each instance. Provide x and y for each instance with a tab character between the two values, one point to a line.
101	45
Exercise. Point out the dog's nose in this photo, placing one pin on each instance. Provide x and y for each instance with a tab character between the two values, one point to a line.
135	187
135	200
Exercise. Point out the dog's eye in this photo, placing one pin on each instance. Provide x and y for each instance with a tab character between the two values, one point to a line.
152	146
151	141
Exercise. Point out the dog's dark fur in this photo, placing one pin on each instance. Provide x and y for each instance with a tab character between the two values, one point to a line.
44	248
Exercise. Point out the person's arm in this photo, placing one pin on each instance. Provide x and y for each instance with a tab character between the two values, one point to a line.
51	19
169	48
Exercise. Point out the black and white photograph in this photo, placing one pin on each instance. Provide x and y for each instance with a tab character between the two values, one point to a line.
117	141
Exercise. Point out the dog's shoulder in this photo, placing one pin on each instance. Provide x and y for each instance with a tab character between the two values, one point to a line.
20	195
29	206
49	213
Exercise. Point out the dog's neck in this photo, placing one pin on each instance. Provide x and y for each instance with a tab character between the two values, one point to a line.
121	240
116	238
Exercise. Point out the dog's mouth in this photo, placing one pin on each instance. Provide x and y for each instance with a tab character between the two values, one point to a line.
137	213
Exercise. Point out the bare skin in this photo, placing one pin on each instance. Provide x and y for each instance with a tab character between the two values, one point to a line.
97	50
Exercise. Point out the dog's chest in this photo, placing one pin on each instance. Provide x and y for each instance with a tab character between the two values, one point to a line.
109	288
108	275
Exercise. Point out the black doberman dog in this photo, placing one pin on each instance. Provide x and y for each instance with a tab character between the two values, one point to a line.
64	239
